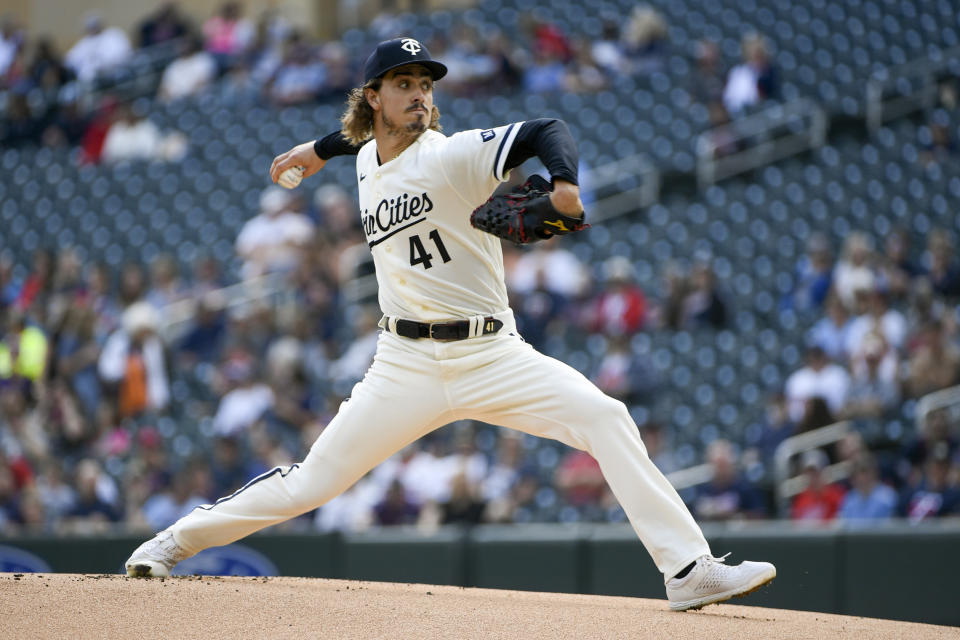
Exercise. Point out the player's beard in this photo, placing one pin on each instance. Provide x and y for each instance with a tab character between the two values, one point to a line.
408	131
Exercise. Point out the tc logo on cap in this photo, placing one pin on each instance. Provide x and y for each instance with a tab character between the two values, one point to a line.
411	45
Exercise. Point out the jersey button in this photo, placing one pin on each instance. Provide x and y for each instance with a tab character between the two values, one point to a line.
388	248
401	281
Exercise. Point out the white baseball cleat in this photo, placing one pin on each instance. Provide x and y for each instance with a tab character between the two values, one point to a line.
712	581
156	557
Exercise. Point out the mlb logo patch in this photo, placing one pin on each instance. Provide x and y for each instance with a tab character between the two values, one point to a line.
487	135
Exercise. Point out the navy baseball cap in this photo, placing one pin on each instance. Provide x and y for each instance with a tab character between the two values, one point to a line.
391	54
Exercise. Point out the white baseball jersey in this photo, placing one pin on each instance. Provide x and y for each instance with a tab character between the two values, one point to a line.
431	264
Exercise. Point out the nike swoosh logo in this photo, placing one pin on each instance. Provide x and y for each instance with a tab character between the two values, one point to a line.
362	177
558	224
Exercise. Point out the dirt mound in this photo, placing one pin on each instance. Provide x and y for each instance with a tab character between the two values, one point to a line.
111	606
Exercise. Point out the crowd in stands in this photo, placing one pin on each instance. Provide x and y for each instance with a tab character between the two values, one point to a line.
98	378
275	60
89	368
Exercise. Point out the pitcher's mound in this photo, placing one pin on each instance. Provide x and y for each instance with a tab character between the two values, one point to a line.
112	606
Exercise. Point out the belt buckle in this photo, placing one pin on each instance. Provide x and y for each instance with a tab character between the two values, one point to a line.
430	331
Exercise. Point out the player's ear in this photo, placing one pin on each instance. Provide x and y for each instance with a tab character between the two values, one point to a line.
373	98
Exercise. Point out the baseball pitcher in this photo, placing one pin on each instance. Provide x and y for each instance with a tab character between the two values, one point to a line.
449	349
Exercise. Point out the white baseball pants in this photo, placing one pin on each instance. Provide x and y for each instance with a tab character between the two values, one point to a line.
416	386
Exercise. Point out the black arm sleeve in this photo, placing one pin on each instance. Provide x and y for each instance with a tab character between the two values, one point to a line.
550	140
334	145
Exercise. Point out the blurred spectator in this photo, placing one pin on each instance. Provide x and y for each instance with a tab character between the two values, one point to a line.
47	71
819	501
873	392
777	427
95	134
623	374
507	62
558	268
645	38
504	471
753	80
99	51
92	512
708	75
895	269
57	496
203	341
166	286
621	308
8	284
301	76
395	509
275	238
228	34
77	356
192	71
816	414
132	360
879	318
339	76
9	507
550	41
134	137
163	509
854	270
23	351
819	378
38	284
229	467
935	433
583	75
938	145
727	496
608	50
206	277
944	269
813	276
832	332
24	439
245	400
578	478
465	506
133	283
163	25
12	38
869	500
934	497
702	306
933	363
546	74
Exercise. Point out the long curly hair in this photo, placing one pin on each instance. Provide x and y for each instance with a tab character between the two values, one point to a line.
357	121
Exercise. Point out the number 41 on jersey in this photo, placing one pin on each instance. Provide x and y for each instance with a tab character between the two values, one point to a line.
419	255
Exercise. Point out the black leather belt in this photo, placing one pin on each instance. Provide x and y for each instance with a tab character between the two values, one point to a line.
457	330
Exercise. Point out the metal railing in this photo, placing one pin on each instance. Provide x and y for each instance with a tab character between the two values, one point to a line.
896	91
788	486
691	476
944	399
623	186
176	315
775	133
